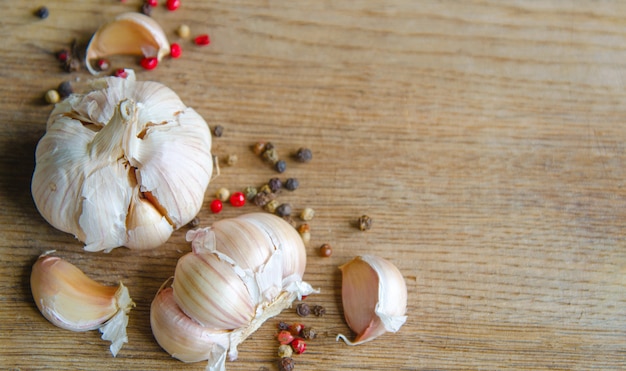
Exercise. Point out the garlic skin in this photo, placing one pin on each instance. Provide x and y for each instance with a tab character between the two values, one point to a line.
129	33
125	164
73	301
233	280
374	297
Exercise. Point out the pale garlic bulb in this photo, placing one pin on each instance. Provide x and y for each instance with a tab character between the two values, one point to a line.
241	272
374	297
125	164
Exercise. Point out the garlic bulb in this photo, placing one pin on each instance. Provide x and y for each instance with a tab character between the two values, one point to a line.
241	272
71	300
128	33
374	297
123	165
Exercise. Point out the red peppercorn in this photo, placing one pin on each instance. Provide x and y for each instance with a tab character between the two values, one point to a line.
202	39
172	5
238	199
120	72
103	64
63	55
216	206
152	3
284	337
296	328
175	50
149	63
298	345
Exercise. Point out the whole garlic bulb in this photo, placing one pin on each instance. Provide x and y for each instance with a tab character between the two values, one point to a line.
241	272
374	297
125	164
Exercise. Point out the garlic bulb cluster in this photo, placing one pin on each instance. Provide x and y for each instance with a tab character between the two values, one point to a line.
241	272
125	164
71	300
374	298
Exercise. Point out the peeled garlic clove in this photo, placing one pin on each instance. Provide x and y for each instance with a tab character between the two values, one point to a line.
129	33
374	297
180	336
71	300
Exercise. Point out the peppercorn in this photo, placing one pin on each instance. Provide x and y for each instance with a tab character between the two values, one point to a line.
319	311
250	192
285	350
292	184
202	40
216	206
63	55
222	194
307	214
269	154
146	9
52	96
289	220
172	5
304	228
275	184
283	210
42	12
103	64
65	89
149	63
298	345
304	155
285	364
238	199
194	222
280	166
258	148
306	237
326	250
183	31
284	337
265	188
263	198
269	145
271	206
218	130
283	325
309	333
175	50
120	72
365	222
231	160
296	329
303	309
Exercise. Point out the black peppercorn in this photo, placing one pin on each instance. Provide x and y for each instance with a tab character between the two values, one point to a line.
283	210
275	184
218	130
146	9
280	166
263	198
292	184
304	155
303	309
319	310
286	364
283	325
308	333
65	89
42	12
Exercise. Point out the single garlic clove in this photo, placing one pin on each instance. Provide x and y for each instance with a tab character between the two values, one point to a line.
71	300
129	33
209	290
374	297
179	335
146	225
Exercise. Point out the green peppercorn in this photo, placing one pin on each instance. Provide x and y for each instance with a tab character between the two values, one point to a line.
271	206
270	155
250	192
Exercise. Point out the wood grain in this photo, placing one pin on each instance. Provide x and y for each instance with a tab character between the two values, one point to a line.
485	139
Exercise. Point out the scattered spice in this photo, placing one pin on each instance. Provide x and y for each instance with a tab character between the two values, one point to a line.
231	160
103	64
365	222
304	155
292	184
283	325
216	206
146	9
263	198
258	148
284	350
307	214
172	5
309	333
222	194
283	210
280	166
218	130
250	192
266	188
303	309
305	233
202	40
275	184
269	154
65	89
271	206
175	50
289	220
319	311
42	12
298	345
149	63
286	364
304	228
326	250
183	31
238	199
52	96
296	329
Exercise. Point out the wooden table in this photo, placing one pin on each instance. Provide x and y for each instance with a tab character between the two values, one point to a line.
485	139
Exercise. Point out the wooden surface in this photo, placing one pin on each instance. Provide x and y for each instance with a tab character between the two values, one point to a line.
485	139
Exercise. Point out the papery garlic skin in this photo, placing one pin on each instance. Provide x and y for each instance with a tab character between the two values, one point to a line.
233	280
73	301
374	297
123	165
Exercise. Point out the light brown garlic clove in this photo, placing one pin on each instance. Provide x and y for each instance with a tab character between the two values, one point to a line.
374	297
73	301
129	33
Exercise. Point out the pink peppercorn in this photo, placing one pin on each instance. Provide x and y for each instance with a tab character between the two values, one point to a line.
238	199
172	5
298	345
152	3
202	39
284	337
216	206
120	73
175	50
149	63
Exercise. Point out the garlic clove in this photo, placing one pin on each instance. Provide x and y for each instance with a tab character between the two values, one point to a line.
209	290
71	300
129	33
146	225
374	297
179	335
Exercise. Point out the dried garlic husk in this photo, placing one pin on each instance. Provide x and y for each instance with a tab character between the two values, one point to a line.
374	297
241	272
129	33
125	164
71	300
